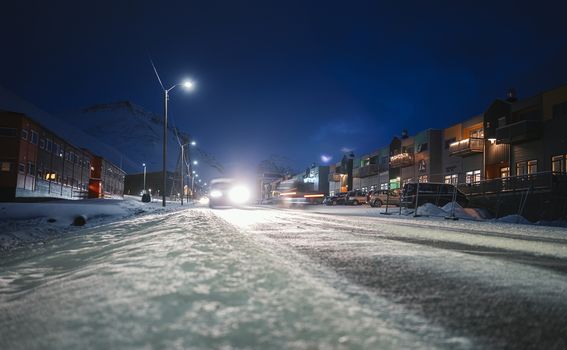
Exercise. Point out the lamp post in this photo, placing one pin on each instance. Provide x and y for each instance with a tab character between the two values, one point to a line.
192	143
188	85
144	165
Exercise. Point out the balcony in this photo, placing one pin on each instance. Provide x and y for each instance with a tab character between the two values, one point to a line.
401	160
466	147
518	132
368	170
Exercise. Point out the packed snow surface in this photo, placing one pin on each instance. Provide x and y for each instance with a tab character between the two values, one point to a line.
139	276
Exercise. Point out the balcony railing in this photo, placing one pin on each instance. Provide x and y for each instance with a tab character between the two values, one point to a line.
519	131
401	160
466	147
544	181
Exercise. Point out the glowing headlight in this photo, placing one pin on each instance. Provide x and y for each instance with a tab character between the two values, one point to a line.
239	194
216	194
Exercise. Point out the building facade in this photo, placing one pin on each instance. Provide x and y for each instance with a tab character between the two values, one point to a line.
35	162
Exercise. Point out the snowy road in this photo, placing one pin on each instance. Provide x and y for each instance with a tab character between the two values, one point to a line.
273	278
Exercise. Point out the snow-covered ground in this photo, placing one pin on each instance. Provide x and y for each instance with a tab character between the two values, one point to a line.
23	223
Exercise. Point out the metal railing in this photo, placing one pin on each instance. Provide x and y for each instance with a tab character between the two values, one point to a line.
466	146
401	160
537	181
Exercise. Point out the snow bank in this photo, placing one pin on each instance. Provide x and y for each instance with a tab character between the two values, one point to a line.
430	209
22	223
514	219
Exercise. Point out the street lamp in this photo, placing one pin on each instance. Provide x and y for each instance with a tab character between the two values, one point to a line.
189	85
195	162
192	143
144	165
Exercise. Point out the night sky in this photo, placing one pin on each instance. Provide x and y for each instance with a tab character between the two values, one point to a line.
296	79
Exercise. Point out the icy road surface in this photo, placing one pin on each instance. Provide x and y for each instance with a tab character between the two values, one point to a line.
272	278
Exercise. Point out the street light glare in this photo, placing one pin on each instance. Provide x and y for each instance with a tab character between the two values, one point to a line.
193	143
188	84
195	162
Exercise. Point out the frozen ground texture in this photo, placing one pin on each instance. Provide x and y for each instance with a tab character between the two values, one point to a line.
23	223
262	278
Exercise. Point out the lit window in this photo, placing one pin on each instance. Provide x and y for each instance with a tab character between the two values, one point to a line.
532	167
476	177
5	166
469	177
477	134
505	172
452	179
423	178
521	168
558	164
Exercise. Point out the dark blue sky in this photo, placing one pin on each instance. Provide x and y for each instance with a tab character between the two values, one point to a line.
297	79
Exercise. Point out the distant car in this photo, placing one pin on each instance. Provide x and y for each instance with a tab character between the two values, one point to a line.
379	198
431	192
227	192
339	198
356	197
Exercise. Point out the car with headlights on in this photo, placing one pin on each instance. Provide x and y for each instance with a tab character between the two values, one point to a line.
227	192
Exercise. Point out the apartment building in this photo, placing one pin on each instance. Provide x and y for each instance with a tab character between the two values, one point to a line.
463	151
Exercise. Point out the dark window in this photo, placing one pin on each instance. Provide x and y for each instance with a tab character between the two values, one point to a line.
560	110
31	168
8	132
448	142
21	168
422	147
24	134
34	137
41	143
48	145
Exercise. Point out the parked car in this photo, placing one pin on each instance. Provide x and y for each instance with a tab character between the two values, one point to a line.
339	198
356	197
431	192
379	198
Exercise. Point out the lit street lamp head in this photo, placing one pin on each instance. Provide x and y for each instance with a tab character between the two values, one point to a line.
195	162
193	143
188	84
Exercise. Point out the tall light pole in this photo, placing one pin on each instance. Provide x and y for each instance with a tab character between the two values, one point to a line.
144	165
192	143
188	85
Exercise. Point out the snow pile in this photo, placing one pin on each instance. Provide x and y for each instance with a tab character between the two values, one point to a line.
514	219
429	209
466	213
22	223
